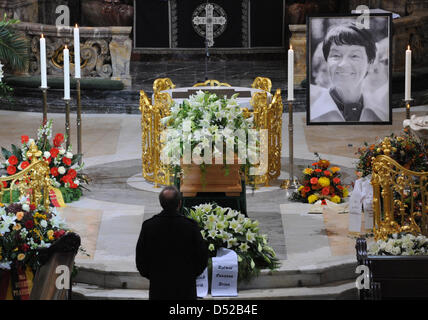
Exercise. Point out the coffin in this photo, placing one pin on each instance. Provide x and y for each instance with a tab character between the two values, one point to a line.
214	179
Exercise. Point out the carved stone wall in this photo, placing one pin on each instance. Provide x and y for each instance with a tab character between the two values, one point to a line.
24	10
105	51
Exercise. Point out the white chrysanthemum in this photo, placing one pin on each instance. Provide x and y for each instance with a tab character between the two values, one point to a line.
46	154
61	170
43	223
26	207
69	155
61	151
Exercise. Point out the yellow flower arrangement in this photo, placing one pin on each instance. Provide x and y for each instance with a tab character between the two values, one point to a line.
324	182
335	199
345	192
300	188
335	169
312	198
50	234
308	171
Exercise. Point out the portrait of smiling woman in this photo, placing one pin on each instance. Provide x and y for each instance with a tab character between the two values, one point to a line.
348	70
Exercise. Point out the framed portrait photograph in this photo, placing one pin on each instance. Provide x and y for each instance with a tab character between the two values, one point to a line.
349	69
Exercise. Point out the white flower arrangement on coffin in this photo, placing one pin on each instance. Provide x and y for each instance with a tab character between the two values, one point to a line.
402	244
201	120
224	227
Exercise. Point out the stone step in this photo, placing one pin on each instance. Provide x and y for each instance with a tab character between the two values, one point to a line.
286	277
343	290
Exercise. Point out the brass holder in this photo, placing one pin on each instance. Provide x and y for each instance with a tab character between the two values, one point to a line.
67	121
79	121
291	182
45	104
407	102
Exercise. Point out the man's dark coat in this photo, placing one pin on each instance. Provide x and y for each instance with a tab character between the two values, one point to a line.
171	253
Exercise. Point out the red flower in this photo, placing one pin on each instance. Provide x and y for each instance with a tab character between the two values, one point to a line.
72	173
67	161
59	138
325	191
59	233
4	184
66	179
24	139
323	202
307	189
315	164
318	170
54	152
327	173
336	180
314	180
11	170
13	160
54	171
29	224
73	185
340	187
25	247
32	207
25	164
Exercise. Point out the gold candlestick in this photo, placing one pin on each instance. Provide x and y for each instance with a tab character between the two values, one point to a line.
291	182
45	105
79	121
67	121
407	102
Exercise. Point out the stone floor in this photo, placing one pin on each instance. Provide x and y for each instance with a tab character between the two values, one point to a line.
109	216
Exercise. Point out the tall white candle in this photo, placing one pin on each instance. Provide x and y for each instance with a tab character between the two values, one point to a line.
290	73
76	52
66	73
408	78
44	81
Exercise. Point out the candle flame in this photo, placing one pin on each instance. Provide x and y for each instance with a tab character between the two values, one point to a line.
76	26
42	36
291	47
65	47
408	47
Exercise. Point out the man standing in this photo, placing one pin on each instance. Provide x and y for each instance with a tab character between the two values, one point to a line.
171	252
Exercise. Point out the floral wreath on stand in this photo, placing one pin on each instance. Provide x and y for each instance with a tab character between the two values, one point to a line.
65	174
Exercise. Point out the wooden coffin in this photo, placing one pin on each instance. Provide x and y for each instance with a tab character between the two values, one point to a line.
214	179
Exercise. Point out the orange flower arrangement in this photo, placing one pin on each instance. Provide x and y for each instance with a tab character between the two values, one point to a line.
321	182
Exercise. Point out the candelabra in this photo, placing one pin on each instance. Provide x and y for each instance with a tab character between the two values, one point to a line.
291	182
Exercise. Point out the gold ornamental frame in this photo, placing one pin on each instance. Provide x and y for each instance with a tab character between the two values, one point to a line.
34	180
395	189
265	116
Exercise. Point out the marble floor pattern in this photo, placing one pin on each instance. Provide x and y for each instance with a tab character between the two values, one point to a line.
109	216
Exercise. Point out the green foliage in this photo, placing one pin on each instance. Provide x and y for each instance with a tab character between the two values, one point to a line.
6	196
14	49
70	194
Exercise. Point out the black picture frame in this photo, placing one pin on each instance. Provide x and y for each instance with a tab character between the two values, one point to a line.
320	88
